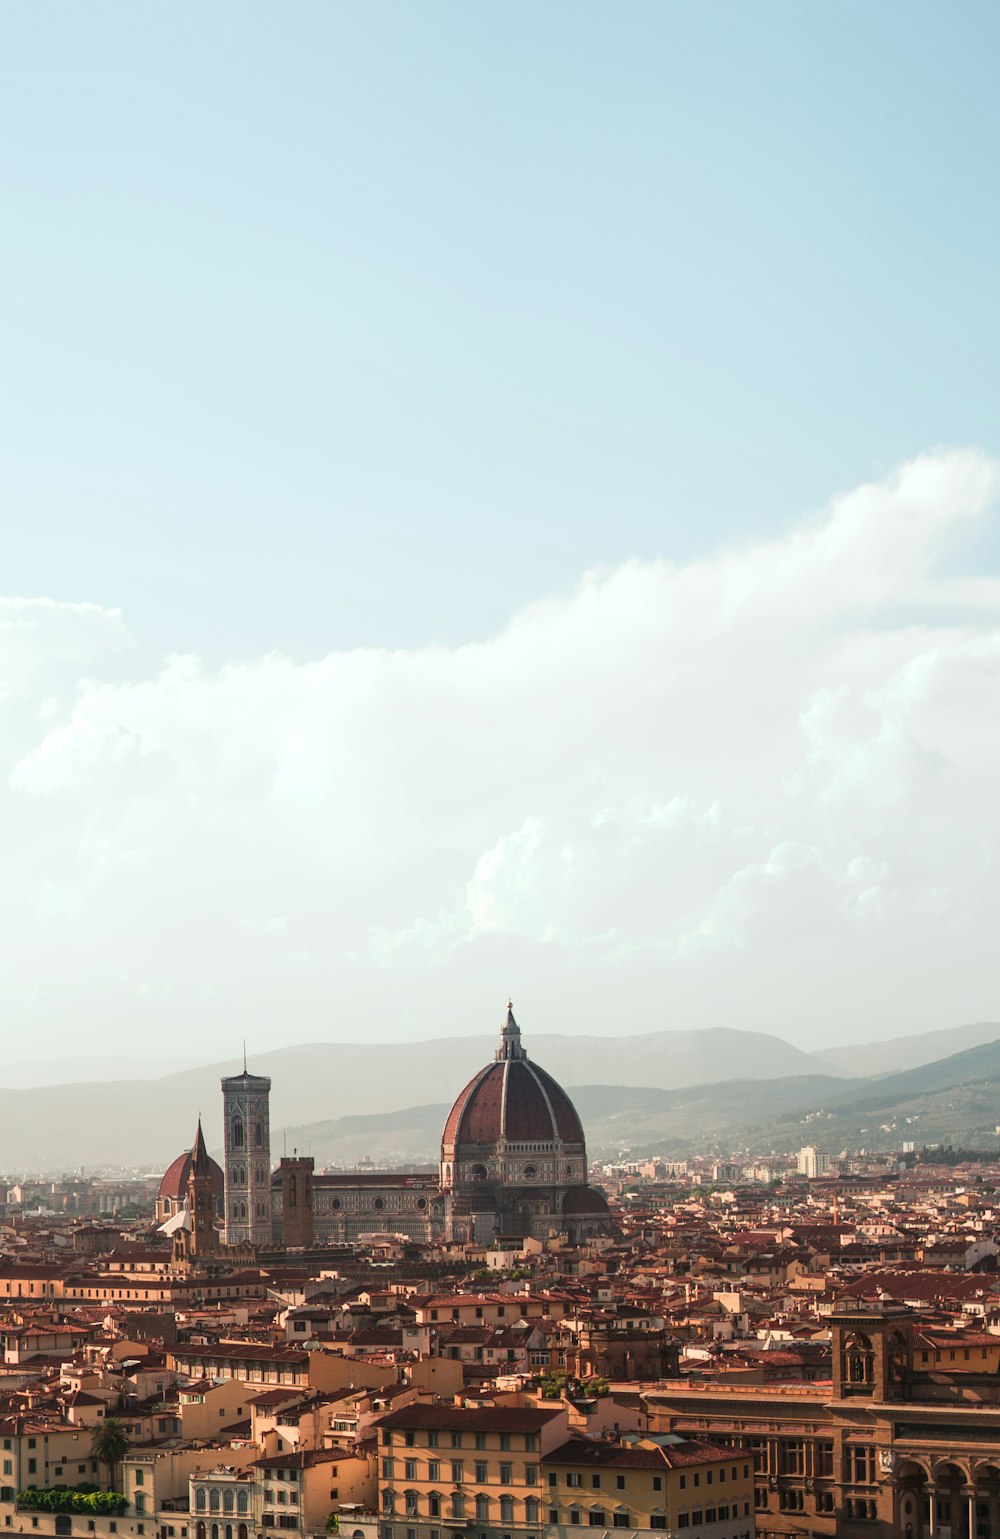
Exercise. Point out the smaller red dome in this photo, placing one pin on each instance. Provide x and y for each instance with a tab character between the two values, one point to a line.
582	1200
175	1178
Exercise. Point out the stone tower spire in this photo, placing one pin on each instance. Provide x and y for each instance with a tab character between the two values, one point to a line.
510	1039
201	1199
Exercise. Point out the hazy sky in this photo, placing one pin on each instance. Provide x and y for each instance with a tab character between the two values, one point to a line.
435	558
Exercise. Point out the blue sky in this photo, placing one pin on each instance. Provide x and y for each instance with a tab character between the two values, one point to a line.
497	499
337	324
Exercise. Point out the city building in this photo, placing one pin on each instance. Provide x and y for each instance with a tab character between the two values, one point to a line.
812	1162
647	1484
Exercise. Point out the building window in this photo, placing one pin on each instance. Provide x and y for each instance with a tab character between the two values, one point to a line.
861	1465
506	1475
596	1518
792	1457
573	1478
480	1474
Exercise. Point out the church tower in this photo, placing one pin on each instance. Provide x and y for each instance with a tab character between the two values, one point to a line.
201	1200
247	1134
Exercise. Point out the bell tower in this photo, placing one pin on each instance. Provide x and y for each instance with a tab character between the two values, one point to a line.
247	1134
297	1201
872	1350
201	1200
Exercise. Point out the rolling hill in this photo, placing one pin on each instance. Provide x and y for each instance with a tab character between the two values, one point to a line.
387	1102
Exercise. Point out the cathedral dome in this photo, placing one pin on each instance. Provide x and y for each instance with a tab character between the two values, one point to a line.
512	1124
513	1101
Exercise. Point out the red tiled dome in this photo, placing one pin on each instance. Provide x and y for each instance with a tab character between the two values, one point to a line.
512	1099
175	1178
581	1200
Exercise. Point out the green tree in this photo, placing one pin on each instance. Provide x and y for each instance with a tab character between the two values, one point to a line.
109	1442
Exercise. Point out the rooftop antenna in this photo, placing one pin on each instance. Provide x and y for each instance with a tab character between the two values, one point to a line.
244	1055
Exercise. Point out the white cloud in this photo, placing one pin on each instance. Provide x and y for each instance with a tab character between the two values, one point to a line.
758	787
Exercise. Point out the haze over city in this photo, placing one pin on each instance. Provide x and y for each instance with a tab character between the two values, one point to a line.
497	503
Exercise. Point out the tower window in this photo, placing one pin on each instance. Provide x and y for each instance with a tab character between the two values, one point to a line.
258	1134
237	1134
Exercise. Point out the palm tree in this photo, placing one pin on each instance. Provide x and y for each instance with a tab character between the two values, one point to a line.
109	1442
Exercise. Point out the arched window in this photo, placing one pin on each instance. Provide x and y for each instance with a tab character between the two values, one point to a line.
859	1359
237	1134
213	1501
200	1531
258	1134
531	1509
227	1501
389	1501
242	1501
199	1499
410	1498
215	1531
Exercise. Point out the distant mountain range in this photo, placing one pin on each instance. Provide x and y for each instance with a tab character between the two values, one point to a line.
892	1055
673	1090
955	1100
